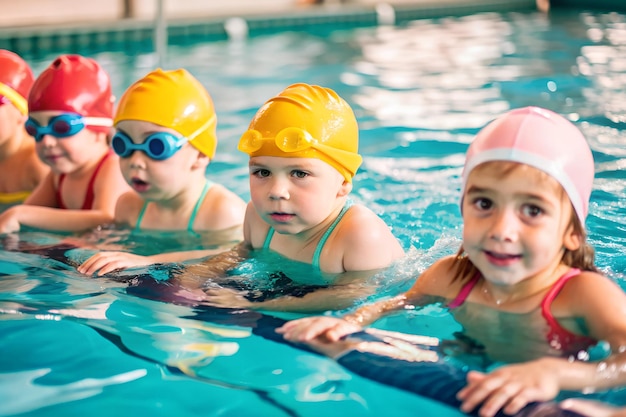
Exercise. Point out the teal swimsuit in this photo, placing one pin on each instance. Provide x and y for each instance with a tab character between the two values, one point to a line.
194	213
321	243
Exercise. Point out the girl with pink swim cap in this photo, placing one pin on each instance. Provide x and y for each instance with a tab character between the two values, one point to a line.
21	170
70	109
524	284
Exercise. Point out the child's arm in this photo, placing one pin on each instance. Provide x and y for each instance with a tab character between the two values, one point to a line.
333	329
194	276
102	263
51	218
602	304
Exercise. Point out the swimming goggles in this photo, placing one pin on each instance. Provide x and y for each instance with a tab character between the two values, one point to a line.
64	125
159	145
294	140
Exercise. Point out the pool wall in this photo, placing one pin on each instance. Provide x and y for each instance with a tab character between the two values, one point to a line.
114	30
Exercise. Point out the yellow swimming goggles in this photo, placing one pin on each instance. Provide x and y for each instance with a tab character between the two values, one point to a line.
294	142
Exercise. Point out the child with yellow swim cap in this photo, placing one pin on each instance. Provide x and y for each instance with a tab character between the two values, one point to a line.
303	148
21	170
166	138
70	108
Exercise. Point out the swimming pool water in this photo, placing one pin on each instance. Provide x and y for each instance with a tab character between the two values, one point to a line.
70	345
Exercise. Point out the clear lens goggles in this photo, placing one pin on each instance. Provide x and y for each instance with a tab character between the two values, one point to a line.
64	125
293	140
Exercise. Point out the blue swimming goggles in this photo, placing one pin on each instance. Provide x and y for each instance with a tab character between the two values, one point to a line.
159	145
64	125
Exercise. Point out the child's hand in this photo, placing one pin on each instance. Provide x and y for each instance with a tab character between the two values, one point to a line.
309	328
9	220
105	262
226	297
509	388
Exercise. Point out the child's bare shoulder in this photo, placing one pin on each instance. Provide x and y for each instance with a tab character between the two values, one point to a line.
222	208
127	208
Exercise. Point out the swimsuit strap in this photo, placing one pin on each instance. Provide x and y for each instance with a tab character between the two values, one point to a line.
207	185
58	192
557	334
89	195
462	295
268	238
140	217
322	242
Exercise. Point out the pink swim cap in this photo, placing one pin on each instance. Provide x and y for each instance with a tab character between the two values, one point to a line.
544	140
74	84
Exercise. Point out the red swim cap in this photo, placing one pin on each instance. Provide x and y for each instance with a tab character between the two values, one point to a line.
75	84
16	79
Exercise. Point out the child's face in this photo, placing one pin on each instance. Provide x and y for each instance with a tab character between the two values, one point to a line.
294	194
157	179
517	221
11	121
67	154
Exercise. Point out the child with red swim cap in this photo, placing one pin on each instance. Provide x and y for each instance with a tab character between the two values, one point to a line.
70	109
21	170
523	285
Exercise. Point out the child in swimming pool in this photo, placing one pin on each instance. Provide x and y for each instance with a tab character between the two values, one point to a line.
70	107
523	284
21	170
166	139
303	148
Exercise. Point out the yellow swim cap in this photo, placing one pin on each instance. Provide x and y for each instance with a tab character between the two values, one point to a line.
176	100
306	121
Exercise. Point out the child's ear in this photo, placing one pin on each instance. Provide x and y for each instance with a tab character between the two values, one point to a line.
345	189
572	239
201	162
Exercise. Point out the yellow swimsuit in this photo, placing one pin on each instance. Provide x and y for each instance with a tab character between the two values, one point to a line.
13	198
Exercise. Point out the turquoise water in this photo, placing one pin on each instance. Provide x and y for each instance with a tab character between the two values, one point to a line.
76	346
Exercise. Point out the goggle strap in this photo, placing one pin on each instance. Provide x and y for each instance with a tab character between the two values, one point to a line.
201	129
98	121
14	97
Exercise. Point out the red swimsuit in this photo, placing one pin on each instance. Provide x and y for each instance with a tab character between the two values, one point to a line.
89	196
557	336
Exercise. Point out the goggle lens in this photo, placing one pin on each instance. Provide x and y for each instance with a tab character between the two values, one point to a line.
158	146
61	126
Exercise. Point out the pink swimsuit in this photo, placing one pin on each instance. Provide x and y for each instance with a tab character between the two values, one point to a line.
557	336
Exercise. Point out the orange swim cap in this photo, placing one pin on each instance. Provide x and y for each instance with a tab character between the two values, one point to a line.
306	121
176	100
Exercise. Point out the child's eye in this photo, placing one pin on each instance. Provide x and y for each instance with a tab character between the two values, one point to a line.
483	203
299	174
260	172
530	210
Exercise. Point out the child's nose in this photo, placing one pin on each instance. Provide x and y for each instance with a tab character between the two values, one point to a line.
137	159
48	141
279	189
504	226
